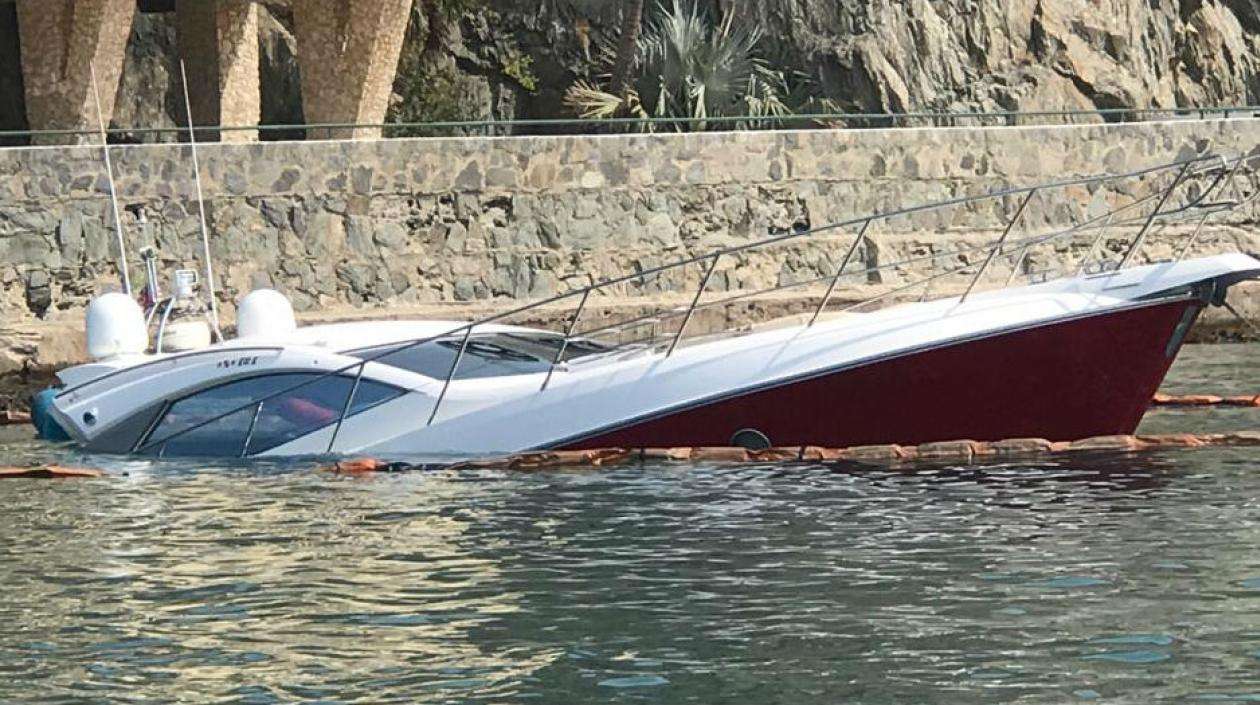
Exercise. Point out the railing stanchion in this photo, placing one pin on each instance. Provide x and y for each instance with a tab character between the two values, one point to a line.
1141	236
1193	238
568	333
1228	181
1093	246
848	256
1023	252
463	345
682	327
249	435
997	247
927	288
345	408
1231	181
1019	262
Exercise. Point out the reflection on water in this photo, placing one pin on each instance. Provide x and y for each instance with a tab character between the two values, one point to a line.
1108	577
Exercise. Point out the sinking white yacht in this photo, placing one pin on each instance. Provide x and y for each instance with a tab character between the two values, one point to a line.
1066	355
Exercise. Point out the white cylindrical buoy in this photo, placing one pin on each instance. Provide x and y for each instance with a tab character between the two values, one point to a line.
264	312
115	326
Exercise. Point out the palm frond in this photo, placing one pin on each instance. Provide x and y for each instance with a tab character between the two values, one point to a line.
696	68
591	102
594	103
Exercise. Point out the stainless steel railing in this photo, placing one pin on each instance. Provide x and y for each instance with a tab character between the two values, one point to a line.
1209	175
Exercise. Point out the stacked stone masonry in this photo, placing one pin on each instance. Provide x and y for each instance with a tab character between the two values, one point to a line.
395	222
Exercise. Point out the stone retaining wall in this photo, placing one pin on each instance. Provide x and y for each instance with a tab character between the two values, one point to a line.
427	220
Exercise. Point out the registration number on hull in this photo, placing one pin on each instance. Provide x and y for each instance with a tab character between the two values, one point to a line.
239	362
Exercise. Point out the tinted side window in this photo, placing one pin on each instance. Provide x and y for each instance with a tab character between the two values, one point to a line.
312	407
548	346
279	420
493	355
482	358
223	437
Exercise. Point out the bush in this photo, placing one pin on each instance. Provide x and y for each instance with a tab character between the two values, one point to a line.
691	67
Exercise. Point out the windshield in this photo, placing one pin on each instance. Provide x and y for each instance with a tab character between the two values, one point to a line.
311	402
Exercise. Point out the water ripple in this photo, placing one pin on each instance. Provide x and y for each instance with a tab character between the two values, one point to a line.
1081	579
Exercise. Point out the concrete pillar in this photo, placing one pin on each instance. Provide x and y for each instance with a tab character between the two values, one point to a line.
218	41
62	42
348	55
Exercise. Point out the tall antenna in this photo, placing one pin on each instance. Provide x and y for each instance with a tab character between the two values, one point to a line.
201	205
113	190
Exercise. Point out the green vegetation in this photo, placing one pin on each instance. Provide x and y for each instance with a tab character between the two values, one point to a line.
678	61
426	88
429	87
689	65
518	67
427	92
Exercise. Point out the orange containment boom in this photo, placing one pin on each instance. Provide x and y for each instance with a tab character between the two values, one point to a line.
1204	400
359	466
46	472
964	451
12	417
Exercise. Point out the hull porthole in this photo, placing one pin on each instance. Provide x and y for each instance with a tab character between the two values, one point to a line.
750	438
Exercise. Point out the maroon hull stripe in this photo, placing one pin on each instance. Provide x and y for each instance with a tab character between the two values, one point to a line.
1078	378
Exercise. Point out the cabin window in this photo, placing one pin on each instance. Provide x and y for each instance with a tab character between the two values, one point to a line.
494	355
256	428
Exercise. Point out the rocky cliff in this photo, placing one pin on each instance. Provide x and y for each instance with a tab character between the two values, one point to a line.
911	55
888	55
507	59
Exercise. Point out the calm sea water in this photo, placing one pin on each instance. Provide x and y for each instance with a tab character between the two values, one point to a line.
1122	579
